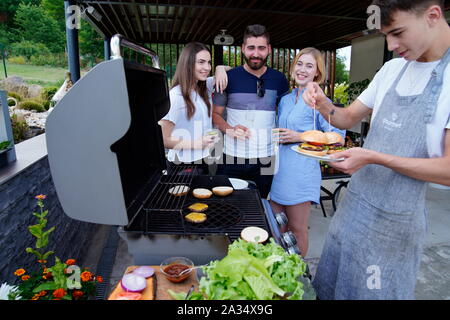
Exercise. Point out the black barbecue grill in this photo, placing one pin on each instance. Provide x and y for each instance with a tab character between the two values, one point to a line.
109	167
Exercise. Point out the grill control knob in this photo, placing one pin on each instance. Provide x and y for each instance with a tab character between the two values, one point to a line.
289	239
293	250
281	219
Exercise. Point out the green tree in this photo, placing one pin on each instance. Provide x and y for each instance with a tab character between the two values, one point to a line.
341	73
10	7
33	23
91	43
55	9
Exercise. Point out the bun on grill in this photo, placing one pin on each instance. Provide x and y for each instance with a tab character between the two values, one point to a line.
222	191
201	193
179	190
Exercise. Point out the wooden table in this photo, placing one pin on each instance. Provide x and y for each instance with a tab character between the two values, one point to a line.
162	285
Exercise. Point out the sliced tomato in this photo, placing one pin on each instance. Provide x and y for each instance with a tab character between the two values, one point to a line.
316	144
129	296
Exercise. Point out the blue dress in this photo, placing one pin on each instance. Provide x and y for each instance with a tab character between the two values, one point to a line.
298	178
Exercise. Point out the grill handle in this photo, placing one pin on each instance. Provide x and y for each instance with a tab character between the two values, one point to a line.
118	40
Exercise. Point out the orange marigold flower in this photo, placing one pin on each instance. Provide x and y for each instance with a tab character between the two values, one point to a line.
42	261
25	277
86	276
19	272
99	279
41	197
70	262
42	293
59	293
35	297
77	294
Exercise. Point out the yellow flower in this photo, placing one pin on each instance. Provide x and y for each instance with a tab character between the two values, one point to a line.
41	197
19	272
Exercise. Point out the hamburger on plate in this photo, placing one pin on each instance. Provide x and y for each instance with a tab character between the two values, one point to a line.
335	142
315	142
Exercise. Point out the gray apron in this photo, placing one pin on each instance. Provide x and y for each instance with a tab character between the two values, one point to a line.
374	243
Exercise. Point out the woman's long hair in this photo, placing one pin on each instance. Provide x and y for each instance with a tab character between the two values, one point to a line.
185	77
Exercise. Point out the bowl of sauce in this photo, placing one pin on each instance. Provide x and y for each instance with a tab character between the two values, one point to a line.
172	267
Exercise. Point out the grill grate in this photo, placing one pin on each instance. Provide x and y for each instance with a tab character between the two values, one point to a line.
251	213
160	199
219	215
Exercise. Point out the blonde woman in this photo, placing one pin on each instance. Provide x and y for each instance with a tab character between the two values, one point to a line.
297	182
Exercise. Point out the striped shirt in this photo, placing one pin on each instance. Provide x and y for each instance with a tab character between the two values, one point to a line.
245	107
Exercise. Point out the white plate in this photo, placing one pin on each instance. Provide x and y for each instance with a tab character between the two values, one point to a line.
238	184
323	158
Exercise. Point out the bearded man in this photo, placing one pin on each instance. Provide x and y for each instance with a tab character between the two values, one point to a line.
250	101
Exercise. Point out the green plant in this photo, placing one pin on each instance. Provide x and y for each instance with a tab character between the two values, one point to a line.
15	95
48	93
31	105
17	60
5	144
340	93
62	281
20	129
27	49
356	88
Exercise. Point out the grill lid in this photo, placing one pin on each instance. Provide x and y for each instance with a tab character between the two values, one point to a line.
104	144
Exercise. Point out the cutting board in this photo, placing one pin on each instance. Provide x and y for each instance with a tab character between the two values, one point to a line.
158	285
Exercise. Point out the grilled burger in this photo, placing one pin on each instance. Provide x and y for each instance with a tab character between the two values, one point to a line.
315	142
335	142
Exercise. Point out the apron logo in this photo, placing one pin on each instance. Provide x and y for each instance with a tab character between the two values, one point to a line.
374	281
394	116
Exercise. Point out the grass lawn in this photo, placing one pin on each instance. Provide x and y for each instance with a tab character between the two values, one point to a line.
44	76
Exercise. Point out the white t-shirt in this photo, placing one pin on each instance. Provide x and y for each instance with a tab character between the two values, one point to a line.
413	82
189	129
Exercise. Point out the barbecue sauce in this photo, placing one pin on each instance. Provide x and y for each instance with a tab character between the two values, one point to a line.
172	272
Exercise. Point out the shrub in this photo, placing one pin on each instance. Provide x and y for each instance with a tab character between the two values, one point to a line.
52	60
340	93
17	60
15	95
48	93
31	105
20	129
28	48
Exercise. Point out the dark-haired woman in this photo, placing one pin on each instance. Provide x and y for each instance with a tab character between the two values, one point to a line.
189	119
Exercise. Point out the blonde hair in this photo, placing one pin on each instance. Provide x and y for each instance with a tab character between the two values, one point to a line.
320	78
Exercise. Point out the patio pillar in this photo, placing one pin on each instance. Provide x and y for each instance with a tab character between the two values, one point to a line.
73	52
106	49
218	56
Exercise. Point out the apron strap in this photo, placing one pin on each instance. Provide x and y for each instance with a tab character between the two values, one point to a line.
434	87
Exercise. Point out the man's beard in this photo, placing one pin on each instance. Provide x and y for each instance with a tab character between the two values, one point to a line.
256	66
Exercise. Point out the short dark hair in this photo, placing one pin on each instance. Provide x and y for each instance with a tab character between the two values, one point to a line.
256	30
389	7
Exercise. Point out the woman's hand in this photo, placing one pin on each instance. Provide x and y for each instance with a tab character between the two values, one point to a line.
221	78
205	142
282	135
355	159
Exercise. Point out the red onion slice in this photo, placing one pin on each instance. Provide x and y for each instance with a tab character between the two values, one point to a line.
133	283
144	271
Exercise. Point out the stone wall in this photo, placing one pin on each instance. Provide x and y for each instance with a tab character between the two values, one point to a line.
71	238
